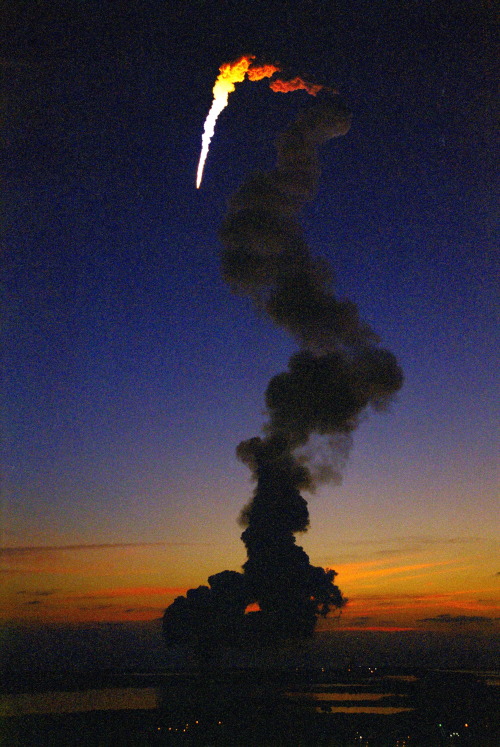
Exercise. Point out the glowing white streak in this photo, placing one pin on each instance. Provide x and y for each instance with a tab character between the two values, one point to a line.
218	105
229	74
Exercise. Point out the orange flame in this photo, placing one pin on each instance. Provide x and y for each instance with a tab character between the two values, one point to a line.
230	73
284	86
252	607
257	72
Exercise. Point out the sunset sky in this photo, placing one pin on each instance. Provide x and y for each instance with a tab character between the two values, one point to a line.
130	370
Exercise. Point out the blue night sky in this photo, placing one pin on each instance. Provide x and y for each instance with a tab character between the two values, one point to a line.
131	372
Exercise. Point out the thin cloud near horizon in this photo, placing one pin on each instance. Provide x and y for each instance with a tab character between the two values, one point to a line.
460	619
103	546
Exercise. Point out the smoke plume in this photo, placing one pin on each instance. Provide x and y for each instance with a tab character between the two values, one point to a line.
338	371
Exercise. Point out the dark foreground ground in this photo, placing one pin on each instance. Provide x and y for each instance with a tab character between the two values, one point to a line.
271	708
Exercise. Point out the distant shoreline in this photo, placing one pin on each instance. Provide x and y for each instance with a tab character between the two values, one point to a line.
227	705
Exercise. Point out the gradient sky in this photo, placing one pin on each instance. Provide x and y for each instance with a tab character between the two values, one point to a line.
131	372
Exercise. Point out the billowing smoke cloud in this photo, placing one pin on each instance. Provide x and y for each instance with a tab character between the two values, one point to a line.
338	371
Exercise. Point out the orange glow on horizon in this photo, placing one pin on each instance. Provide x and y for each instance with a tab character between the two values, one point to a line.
375	628
116	604
130	591
356	570
120	582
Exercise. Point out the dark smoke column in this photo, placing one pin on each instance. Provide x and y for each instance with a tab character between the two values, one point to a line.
338	371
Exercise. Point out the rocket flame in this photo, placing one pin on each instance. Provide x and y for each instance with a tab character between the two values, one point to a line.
257	72
230	73
284	86
235	72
